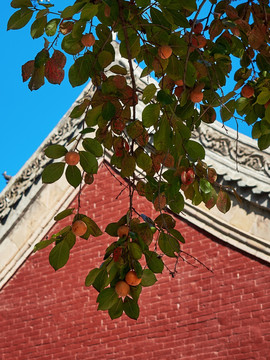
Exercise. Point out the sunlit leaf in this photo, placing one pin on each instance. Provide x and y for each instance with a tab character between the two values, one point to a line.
59	255
73	176
19	19
107	298
90	278
131	308
223	202
88	162
63	214
55	151
53	172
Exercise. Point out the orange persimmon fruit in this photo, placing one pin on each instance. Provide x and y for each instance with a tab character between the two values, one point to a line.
247	91
123	231
164	52
132	278
72	158
179	82
196	96
122	288
79	228
88	40
89	178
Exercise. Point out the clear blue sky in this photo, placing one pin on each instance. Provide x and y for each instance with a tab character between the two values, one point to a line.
28	117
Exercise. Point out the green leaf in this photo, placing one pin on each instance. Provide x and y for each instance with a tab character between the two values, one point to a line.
128	166
138	269
164	98
227	111
43	244
92	228
79	72
55	151
135	292
19	19
265	127
70	239
73	176
165	221
131	308
135	250
117	69
135	129
175	233
107	298
150	115
263	97
195	150
88	162
38	27
63	214
175	69
59	255
69	11
90	278
158	18
162	136
177	203
148	278
267	114
37	79
264	142
41	58
92	115
223	202
143	3
262	63
144	161
108	111
78	29
112	228
190	74
105	58
20	3
72	46
205	186
53	172
116	310
87	131
101	280
51	27
134	45
256	130
89	11
241	104
251	117
154	262
93	146
168	245
148	93
78	110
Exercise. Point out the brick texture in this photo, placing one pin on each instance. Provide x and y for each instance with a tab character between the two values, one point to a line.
50	315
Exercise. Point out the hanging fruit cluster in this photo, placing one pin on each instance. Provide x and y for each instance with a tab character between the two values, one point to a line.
189	47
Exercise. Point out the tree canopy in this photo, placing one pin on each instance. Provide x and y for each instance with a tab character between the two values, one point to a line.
190	47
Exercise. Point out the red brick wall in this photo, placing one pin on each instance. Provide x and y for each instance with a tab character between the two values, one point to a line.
197	315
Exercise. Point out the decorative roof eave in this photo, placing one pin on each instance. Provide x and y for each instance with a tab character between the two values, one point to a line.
237	158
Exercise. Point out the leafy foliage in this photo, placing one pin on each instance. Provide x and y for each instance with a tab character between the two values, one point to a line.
192	60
